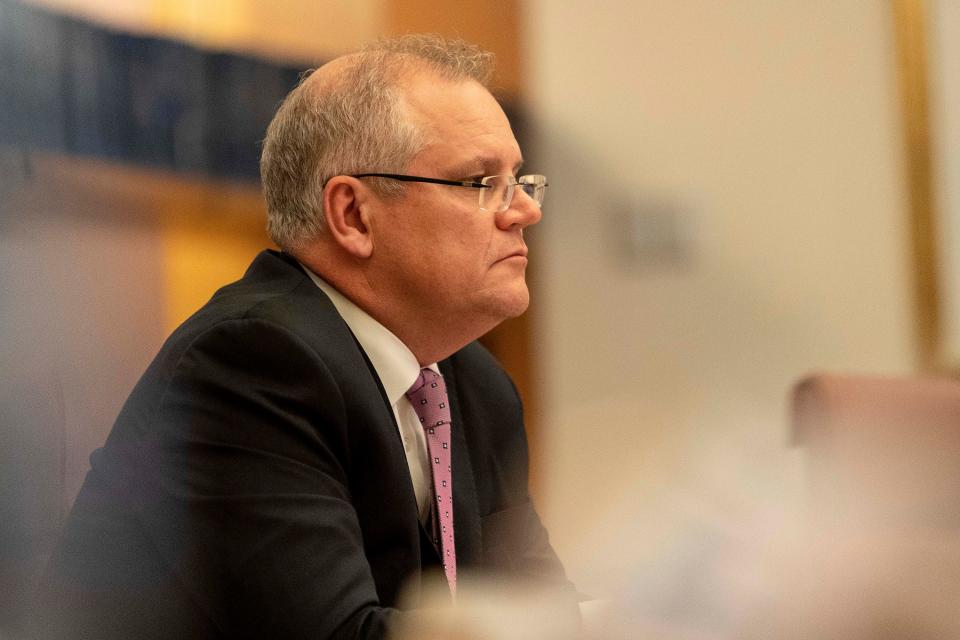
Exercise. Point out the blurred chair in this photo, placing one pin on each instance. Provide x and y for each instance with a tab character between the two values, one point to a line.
881	451
32	500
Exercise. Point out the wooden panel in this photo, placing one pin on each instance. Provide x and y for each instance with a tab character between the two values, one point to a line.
494	25
293	30
209	237
911	30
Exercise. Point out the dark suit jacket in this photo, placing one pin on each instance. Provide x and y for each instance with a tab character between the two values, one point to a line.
255	484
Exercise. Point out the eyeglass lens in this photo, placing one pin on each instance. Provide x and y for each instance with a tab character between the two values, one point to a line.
500	194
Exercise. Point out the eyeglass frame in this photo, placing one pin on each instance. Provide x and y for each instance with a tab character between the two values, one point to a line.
464	183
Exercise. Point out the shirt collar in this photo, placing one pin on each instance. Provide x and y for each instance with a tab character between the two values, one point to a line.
393	361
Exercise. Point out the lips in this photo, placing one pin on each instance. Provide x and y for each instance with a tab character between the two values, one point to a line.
519	253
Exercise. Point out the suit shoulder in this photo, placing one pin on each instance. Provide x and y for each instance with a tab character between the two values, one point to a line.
477	357
476	371
275	311
273	289
266	288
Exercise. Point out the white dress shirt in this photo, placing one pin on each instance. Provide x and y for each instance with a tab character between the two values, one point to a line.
398	369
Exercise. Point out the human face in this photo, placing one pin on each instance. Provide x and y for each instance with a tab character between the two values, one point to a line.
445	257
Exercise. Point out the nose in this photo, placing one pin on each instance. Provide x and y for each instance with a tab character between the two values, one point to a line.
522	212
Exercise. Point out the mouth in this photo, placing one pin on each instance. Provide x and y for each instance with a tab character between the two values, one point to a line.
519	253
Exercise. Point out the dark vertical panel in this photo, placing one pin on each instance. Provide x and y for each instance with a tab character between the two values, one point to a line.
117	113
242	95
33	110
8	105
70	86
166	85
84	53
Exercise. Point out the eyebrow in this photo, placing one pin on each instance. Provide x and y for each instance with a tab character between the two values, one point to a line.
481	165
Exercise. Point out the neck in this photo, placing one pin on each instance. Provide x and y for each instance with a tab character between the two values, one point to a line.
438	342
430	336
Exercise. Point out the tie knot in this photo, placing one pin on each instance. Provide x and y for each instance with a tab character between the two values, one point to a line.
428	395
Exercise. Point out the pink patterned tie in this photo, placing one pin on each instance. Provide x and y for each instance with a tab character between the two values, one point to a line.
428	395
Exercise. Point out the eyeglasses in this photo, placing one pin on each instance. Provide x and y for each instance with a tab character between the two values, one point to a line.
496	192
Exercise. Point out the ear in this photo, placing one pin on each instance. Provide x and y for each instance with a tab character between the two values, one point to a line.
346	204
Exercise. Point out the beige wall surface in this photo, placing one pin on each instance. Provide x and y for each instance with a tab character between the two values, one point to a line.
945	124
726	213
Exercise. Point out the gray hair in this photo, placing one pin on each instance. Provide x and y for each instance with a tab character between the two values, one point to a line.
354	123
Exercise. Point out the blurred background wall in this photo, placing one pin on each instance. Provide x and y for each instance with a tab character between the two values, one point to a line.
944	36
731	206
728	210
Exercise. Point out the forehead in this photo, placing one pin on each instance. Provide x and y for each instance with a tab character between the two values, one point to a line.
464	125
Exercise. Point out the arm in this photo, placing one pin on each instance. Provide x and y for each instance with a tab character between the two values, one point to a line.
248	499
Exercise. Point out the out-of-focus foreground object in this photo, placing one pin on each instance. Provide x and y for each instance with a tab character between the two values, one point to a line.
879	556
882	450
500	609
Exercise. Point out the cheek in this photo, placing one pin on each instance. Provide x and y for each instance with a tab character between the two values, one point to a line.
479	253
459	268
477	237
450	239
470	246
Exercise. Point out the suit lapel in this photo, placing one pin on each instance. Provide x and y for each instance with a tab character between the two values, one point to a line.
466	509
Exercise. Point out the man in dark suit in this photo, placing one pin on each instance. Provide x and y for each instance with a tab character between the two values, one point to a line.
269	475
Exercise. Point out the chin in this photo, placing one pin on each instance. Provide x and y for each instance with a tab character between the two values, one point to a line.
494	305
515	304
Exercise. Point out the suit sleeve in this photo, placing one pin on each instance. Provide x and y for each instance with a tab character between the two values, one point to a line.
515	544
248	497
